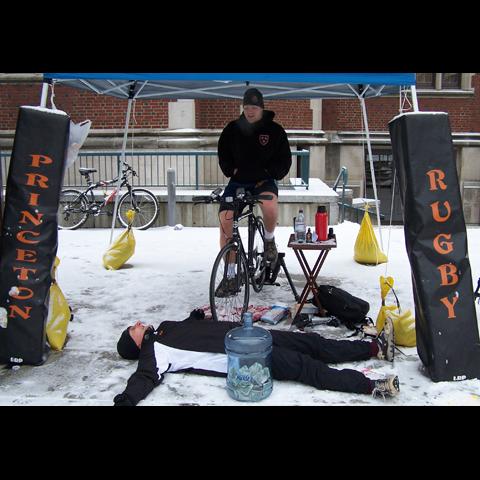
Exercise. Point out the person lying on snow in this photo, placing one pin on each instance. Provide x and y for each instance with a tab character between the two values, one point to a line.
197	345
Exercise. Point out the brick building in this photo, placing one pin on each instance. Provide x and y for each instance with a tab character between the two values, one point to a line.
331	130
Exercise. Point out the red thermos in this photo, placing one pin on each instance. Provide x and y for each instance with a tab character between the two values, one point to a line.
321	223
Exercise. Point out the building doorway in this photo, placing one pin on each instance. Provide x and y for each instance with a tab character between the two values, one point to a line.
384	169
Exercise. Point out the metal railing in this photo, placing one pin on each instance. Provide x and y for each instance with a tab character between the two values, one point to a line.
196	169
343	175
355	213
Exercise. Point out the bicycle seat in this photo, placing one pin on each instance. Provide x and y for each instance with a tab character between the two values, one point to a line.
86	171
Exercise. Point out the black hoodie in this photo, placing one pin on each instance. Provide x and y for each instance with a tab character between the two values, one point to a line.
258	150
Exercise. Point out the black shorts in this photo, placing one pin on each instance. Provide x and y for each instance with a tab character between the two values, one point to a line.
269	185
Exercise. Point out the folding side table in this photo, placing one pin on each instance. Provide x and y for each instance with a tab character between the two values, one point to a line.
323	248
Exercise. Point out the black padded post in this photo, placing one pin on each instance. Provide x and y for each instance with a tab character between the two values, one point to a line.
436	243
28	243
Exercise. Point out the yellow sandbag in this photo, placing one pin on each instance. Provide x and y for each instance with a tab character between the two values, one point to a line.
404	327
403	322
386	284
59	314
122	248
367	250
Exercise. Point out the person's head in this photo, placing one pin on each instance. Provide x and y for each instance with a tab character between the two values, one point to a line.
130	341
253	105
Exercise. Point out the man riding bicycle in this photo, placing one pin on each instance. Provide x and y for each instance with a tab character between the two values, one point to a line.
253	152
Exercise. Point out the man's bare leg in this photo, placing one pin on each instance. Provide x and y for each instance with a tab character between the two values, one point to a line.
226	227
270	217
226	232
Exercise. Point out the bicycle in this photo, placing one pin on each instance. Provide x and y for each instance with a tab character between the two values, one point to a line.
251	267
75	206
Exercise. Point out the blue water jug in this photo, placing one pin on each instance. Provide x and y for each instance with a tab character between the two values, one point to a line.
249	352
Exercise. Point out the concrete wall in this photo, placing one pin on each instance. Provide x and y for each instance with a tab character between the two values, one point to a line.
181	114
469	178
347	149
329	151
202	215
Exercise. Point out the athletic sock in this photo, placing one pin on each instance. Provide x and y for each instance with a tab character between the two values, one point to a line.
231	270
269	235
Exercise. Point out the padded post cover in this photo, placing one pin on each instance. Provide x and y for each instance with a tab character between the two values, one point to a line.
436	243
1	198
29	232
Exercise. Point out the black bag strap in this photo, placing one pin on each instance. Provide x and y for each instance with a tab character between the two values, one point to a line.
367	322
395	295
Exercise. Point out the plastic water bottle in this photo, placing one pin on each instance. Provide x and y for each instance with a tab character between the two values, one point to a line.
249	352
300	227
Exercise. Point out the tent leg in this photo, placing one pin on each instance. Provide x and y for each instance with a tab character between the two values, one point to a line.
43	99
414	97
119	166
369	146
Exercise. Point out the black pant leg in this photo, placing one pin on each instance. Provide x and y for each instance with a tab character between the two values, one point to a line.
293	365
324	349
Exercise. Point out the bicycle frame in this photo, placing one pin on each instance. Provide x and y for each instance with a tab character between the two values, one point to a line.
250	264
237	239
84	203
88	193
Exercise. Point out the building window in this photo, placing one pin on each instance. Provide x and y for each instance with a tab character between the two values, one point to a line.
425	80
451	80
442	81
382	166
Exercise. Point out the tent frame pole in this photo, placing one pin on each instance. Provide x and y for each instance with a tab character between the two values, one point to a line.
372	171
120	163
413	89
43	98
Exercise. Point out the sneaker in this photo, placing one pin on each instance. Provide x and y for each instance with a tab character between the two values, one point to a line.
386	342
271	253
226	288
369	331
386	387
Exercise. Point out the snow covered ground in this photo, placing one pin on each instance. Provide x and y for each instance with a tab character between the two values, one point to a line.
167	277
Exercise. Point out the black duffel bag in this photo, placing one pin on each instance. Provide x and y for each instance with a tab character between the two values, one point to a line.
350	310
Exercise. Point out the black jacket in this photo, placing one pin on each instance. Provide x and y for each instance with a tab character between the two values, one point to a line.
259	150
194	334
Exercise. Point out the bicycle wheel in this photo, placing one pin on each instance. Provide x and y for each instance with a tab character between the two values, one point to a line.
145	205
257	277
72	210
229	302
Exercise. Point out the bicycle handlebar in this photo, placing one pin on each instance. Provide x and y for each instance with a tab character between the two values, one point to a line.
203	199
126	168
214	196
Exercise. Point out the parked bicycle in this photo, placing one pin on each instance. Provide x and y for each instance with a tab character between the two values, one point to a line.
230	292
75	206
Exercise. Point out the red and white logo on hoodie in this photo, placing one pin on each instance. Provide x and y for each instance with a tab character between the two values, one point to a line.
263	139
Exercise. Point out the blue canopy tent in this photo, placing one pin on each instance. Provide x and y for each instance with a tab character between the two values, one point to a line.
233	85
